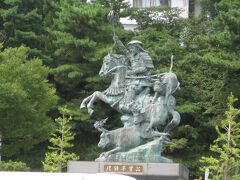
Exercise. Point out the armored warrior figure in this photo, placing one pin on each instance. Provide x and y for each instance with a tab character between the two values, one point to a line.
138	78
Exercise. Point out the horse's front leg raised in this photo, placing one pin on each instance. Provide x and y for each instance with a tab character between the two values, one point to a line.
85	100
95	96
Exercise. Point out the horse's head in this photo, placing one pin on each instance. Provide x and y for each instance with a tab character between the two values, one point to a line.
111	63
166	84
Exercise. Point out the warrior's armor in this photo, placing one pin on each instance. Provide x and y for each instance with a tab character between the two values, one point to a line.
138	75
138	78
140	63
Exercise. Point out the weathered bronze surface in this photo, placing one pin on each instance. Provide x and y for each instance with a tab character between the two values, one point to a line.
141	112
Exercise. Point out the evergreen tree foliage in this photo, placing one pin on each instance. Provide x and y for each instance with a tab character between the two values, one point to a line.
206	60
23	23
57	158
25	99
115	5
158	17
209	72
226	149
13	166
76	40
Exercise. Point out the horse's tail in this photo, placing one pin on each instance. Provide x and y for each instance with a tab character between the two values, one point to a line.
174	122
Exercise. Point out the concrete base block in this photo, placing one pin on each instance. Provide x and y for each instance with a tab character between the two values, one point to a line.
141	171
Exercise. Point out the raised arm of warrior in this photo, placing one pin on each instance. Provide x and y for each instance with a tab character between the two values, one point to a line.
121	47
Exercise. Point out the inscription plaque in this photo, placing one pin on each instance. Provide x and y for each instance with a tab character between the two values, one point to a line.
123	168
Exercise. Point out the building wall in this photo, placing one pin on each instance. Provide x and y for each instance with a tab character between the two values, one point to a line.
182	4
148	3
131	24
197	7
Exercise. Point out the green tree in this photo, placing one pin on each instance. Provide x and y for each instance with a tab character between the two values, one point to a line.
226	150
25	99
115	5
56	160
207	63
13	166
70	36
209	71
23	23
159	18
77	44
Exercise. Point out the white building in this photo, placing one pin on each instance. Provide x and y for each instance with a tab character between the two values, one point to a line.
186	6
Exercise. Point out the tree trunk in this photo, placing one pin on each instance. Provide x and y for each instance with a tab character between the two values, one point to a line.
228	145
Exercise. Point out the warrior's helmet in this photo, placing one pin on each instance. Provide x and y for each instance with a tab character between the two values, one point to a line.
137	44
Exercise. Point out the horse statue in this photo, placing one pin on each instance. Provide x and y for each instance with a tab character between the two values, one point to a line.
155	110
115	66
166	85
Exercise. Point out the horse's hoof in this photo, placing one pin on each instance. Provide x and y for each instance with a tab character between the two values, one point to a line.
82	106
90	111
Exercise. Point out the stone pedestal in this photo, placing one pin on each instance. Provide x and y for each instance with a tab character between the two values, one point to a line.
141	171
